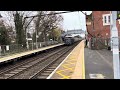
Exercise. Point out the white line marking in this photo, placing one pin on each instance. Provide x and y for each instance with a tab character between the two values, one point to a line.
94	63
96	76
110	64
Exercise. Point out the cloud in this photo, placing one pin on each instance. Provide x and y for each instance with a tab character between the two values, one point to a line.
75	20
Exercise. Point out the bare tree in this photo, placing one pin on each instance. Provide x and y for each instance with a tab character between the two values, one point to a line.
43	24
47	23
17	20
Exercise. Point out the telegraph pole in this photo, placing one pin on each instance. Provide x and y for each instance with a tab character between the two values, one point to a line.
27	40
0	35
36	40
114	33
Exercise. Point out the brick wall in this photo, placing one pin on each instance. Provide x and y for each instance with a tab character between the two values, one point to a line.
100	31
104	31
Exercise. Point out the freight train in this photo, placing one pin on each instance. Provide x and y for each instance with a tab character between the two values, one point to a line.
69	39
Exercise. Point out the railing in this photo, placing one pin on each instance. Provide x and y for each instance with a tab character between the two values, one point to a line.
18	48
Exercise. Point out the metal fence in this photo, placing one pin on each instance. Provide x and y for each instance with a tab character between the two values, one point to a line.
18	48
99	43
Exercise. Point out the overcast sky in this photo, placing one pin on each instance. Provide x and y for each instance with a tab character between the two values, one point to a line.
74	20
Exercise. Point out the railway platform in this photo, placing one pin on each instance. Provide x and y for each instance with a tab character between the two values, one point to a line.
22	54
98	64
84	63
73	65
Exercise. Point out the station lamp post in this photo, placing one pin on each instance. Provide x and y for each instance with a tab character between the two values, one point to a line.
111	29
36	40
115	42
0	35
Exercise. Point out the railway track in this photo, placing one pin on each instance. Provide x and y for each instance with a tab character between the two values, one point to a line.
18	68
7	66
46	71
33	68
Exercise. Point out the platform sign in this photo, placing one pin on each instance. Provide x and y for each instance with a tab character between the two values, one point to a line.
0	49
29	38
40	45
7	47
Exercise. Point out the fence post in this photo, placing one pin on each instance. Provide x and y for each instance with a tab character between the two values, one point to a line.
0	51
40	45
32	45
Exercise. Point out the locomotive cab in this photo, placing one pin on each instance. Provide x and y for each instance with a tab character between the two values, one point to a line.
68	40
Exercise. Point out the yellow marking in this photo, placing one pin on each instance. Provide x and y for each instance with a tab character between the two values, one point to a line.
69	63
62	70
68	67
83	65
66	77
63	76
76	59
72	58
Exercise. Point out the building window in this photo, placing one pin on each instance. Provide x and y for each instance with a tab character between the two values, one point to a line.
106	19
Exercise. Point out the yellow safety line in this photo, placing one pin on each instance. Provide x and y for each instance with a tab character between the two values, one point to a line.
79	72
83	64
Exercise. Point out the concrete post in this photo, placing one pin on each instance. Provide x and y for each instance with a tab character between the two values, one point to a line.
111	30
114	33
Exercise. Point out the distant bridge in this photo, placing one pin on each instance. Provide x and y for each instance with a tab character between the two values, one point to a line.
78	31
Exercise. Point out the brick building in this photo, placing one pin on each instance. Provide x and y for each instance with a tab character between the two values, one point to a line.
98	26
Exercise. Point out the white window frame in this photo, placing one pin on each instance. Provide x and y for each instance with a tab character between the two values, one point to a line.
107	19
